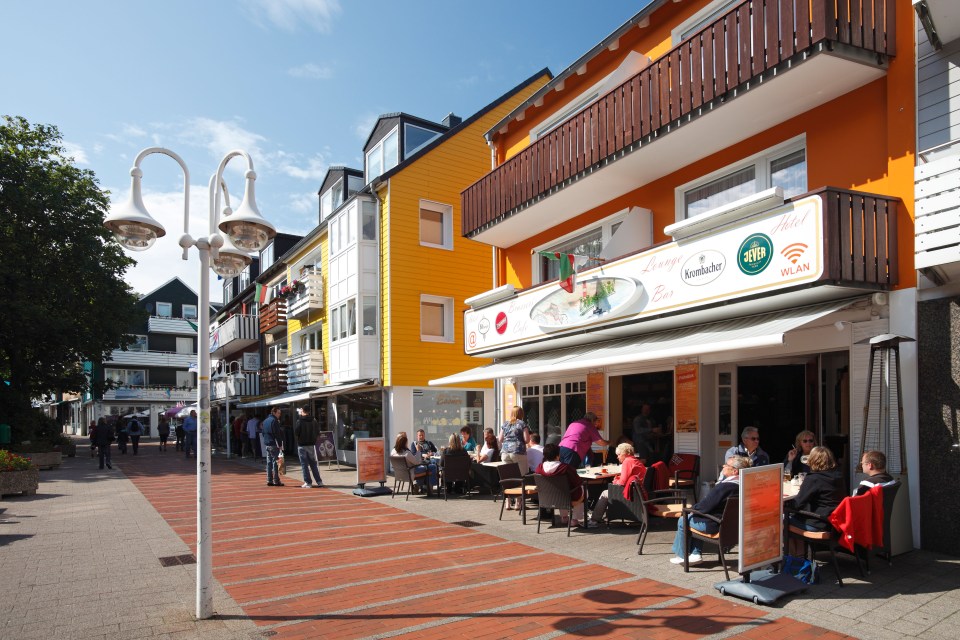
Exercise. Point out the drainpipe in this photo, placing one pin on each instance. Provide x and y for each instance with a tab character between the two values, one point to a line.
385	415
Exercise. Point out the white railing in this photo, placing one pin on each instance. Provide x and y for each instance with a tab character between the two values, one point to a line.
151	394
176	326
311	297
238	328
305	370
248	386
937	193
153	359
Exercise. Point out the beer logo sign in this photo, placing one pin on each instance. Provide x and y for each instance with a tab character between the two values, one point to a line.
755	254
703	268
501	323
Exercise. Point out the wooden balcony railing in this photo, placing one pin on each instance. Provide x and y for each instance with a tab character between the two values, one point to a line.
273	316
859	237
752	39
273	379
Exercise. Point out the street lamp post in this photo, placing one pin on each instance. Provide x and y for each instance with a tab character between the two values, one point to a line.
135	229
225	374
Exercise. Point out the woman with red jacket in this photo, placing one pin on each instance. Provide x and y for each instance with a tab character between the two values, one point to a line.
631	467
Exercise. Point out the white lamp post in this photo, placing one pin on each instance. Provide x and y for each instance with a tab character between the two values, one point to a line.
137	230
227	374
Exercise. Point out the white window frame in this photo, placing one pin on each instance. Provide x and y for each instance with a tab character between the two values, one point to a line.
169	307
310	338
446	211
122	376
328	203
762	175
183	311
608	226
277	353
181	341
447	305
266	256
410	125
378	148
700	19
139	339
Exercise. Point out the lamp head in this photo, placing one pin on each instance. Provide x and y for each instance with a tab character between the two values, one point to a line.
130	223
229	261
248	230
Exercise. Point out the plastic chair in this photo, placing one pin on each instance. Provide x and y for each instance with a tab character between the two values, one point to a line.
455	469
725	538
553	492
629	505
885	550
402	473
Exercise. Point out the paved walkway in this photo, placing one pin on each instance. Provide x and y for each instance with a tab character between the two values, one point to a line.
83	561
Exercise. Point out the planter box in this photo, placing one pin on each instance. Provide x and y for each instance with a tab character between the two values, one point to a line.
69	449
19	482
45	459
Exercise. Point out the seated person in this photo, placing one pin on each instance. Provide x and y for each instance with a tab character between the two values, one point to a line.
454	449
466	439
534	451
423	446
612	452
820	493
714	504
551	466
490	451
631	468
749	447
485	476
874	464
414	461
796	461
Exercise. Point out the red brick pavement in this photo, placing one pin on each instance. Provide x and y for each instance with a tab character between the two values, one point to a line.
321	563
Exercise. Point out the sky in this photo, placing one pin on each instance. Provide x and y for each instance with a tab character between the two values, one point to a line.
298	84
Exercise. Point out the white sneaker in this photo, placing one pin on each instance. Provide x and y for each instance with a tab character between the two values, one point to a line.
306	485
695	558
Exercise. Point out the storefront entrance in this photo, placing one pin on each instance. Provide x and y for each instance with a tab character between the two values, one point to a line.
774	399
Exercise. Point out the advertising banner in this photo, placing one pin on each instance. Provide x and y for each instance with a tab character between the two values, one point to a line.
371	466
596	382
687	389
761	516
326	447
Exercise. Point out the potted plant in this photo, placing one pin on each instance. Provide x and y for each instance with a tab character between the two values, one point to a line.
291	290
41	454
17	475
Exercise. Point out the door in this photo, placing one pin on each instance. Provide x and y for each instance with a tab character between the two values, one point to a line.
774	399
184	345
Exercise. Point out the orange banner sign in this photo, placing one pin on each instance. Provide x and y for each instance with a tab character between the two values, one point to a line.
687	390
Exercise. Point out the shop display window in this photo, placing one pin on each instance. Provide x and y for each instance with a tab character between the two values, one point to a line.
357	415
441	412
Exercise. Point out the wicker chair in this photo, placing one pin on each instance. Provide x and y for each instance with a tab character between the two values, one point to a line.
402	473
455	469
725	538
630	506
553	492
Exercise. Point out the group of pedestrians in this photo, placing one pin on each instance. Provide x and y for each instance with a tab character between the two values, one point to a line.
305	432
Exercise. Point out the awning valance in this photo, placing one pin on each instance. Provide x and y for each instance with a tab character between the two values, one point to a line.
751	332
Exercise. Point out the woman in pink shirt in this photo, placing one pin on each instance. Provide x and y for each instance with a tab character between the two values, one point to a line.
577	439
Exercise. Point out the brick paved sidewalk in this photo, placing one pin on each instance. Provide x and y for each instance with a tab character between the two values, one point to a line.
308	563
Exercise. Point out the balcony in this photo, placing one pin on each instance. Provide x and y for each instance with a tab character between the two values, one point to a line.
273	316
273	379
172	326
767	55
305	370
247	385
234	333
152	394
937	244
153	359
310	298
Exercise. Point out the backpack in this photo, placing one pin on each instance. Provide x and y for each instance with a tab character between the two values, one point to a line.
135	428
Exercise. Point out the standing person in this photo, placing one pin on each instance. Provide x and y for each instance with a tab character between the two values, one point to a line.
122	436
577	439
513	448
239	435
713	504
631	468
93	445
466	439
749	447
134	430
179	433
163	432
102	436
253	428
305	431
190	433
874	464
643	433
272	439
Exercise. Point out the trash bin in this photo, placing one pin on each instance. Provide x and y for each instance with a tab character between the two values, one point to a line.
4	434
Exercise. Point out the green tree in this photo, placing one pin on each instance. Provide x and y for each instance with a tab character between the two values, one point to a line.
61	274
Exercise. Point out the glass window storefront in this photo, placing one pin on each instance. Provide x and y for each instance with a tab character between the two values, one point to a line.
441	412
549	408
357	415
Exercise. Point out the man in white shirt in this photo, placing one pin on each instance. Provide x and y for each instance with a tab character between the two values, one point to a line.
534	451
253	425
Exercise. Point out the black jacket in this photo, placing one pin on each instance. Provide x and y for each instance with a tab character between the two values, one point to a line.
716	500
820	492
305	431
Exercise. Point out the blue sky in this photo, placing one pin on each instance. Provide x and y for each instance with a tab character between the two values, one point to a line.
296	83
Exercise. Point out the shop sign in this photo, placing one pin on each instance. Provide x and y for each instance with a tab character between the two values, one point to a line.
761	516
371	466
780	248
251	361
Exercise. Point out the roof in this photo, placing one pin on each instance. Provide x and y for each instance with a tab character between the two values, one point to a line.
402	116
640	16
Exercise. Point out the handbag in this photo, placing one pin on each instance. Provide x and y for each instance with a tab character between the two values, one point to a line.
281	462
804	570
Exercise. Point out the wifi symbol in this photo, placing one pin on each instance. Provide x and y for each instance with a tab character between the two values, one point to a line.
794	251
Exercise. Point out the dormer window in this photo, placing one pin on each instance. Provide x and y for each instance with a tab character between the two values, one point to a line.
415	138
331	199
384	156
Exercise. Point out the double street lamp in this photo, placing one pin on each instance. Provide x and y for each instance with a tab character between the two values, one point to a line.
247	231
230	375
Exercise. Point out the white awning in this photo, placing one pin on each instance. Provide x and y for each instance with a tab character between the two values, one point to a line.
283	398
750	332
339	388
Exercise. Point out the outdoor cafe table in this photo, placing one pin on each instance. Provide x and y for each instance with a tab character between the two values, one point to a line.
597	479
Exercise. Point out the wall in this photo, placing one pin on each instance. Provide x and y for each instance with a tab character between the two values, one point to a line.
938	92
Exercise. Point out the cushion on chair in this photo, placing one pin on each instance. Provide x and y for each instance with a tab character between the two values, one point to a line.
517	491
811	535
666	510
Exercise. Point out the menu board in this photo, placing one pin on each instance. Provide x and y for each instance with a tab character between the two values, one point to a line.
761	516
370	460
595	394
326	447
687	390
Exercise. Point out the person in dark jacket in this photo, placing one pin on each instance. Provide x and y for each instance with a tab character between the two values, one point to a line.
273	442
874	464
305	432
821	491
101	437
122	436
713	504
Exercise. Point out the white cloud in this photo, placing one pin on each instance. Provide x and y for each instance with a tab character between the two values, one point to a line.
304	202
289	15
75	151
313	169
219	136
311	71
364	125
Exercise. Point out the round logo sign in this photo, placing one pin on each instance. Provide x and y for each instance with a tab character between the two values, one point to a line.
703	268
755	254
501	323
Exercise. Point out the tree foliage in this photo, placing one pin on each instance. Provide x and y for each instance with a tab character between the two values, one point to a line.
61	274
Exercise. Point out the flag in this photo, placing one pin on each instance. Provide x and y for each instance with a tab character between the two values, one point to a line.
568	268
192	326
261	293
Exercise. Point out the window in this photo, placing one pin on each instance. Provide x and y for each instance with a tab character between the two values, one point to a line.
591	241
331	199
342	312
415	138
164	310
587	244
126	377
369	315
277	353
244	278
190	311
334	325
228	289
783	166
383	157
368	226
267	256
436	319
434	410
139	344
436	225
311	340
184	345
351	317
549	408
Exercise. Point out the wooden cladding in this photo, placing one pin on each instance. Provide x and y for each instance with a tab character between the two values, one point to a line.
273	316
859	237
753	38
273	379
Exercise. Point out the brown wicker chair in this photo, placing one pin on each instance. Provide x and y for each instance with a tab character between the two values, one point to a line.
402	473
553	492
